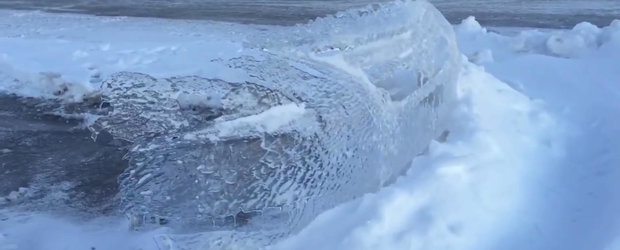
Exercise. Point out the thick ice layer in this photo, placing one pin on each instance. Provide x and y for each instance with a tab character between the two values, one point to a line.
334	109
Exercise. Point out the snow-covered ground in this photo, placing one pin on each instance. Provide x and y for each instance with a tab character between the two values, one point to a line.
532	160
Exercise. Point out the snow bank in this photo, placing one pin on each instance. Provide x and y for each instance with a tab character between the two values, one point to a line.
584	37
39	232
581	41
463	192
575	205
41	84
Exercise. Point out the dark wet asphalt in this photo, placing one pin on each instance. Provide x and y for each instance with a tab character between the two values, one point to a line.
56	159
531	13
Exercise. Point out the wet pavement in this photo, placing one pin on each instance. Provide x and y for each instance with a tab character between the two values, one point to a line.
523	13
54	161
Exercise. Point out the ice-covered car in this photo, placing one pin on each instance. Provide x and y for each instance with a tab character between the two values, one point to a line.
332	110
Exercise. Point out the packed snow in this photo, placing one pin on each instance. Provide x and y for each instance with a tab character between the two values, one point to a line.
531	161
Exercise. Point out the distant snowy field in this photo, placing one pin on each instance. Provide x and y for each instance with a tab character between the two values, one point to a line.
533	160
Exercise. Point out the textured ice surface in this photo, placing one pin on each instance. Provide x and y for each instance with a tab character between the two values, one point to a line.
334	109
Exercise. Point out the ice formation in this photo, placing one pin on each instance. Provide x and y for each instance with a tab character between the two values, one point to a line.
331	110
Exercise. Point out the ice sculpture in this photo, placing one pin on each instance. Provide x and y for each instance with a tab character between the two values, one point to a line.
335	109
